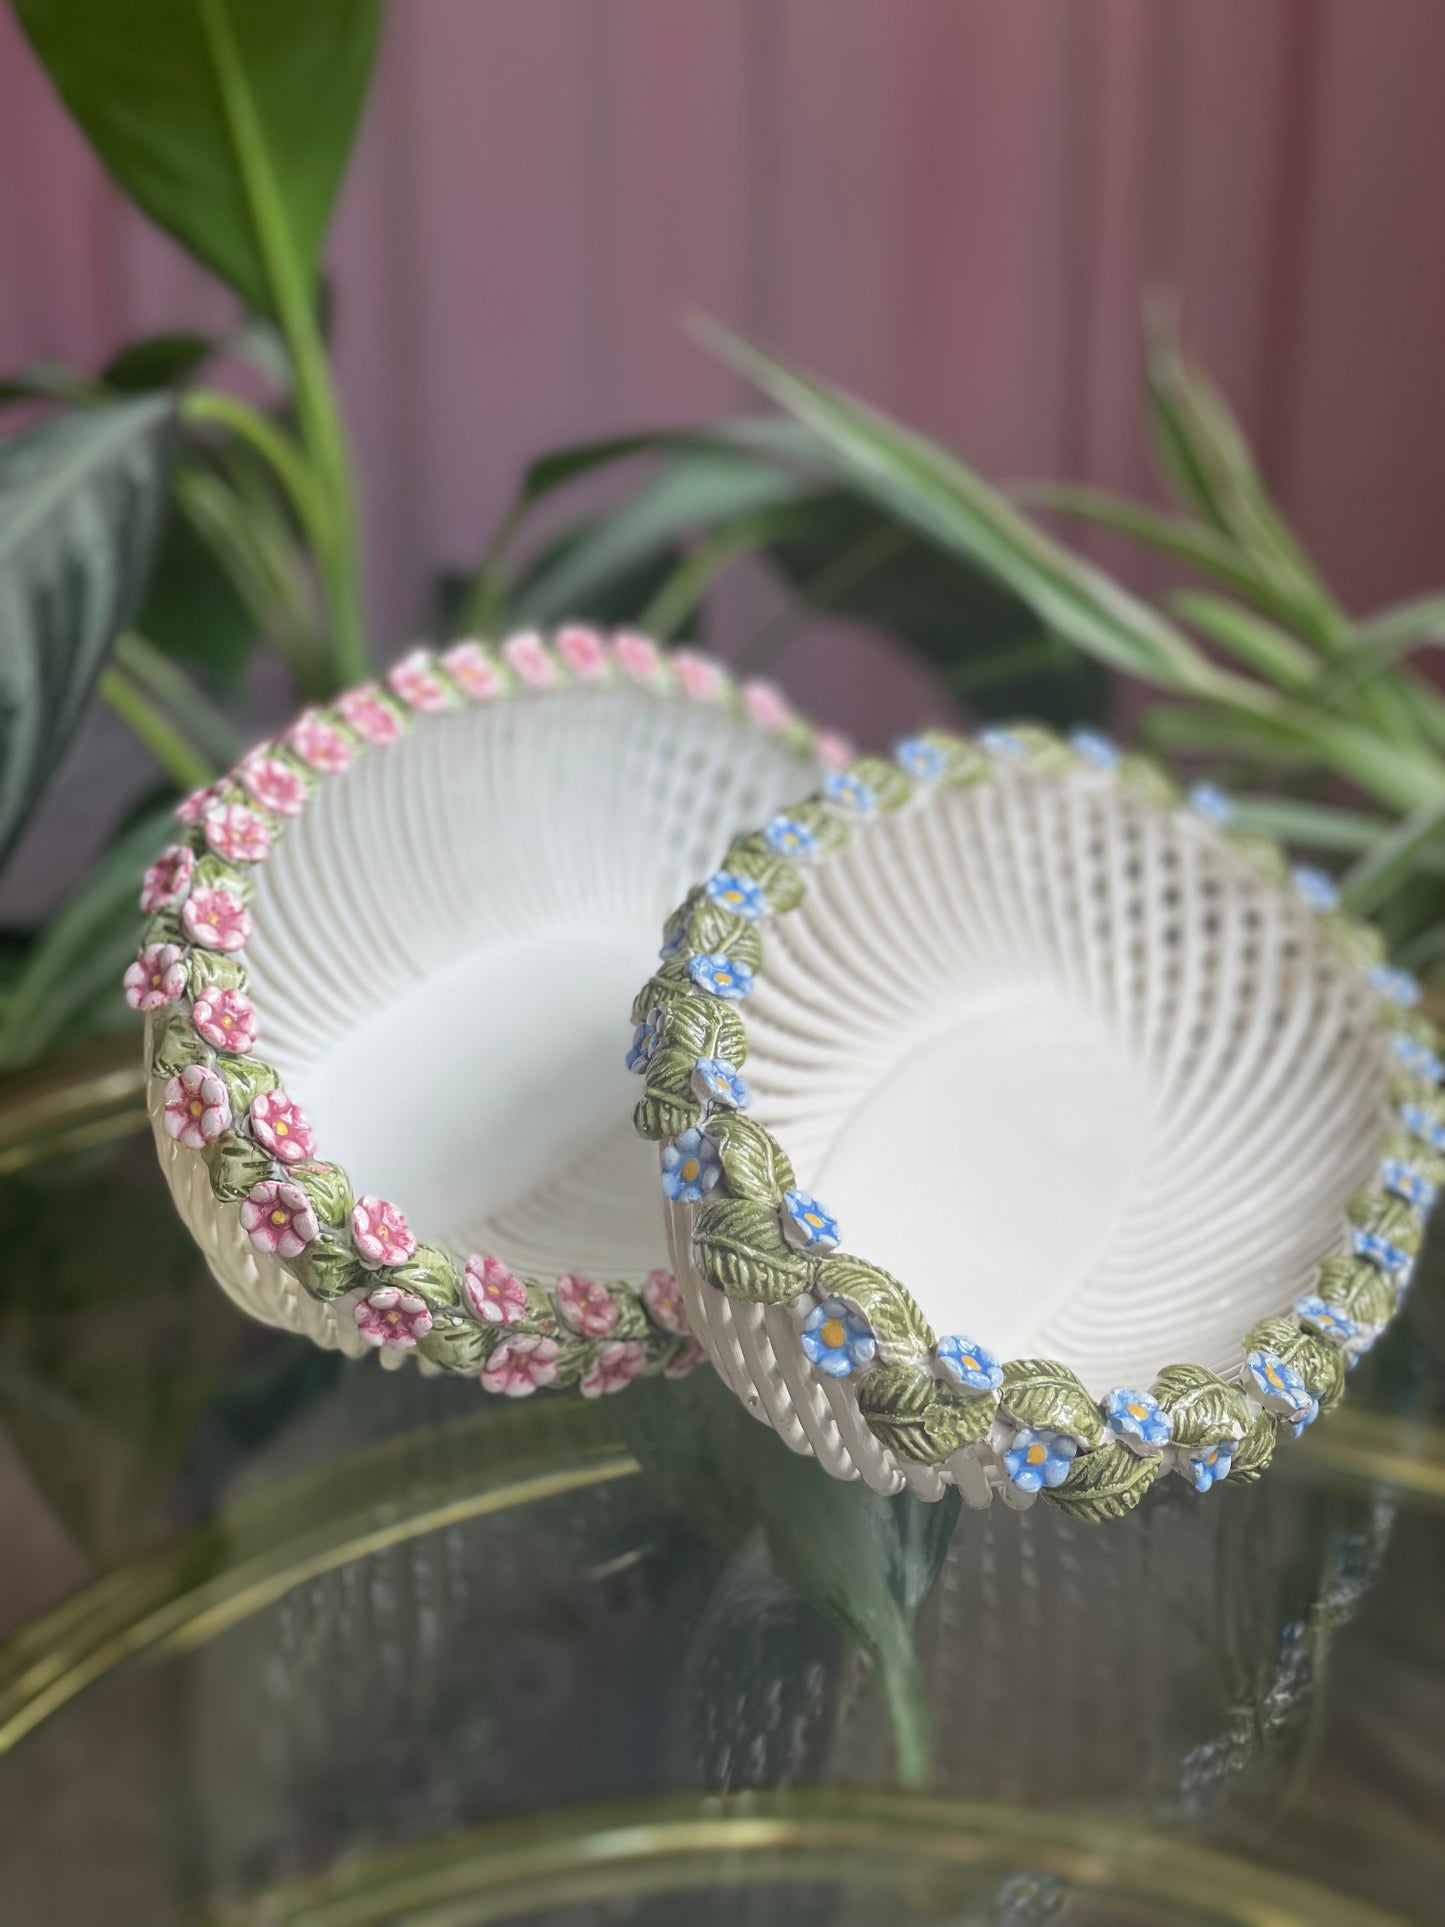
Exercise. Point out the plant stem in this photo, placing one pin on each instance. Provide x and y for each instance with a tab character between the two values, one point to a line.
184	764
322	429
275	447
903	1695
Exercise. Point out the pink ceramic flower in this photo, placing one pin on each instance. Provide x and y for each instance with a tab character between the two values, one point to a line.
617	1365
216	920
391	1316
834	751
192	808
282	1127
156	978
473	671
380	1233
527	654
197	1107
319	744
699	676
168	879
662	1296
277	1216
414	682
274	784
369	716
637	656
519	1366
583	652
494	1293
237	834
587	1306
225	1018
685	1359
767	705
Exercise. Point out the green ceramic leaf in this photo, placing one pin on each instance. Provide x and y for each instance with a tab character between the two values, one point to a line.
1356	1288
710	930
1204	1409
1039	1392
1409	1150
780	881
903	1333
1260	854
886	780
669	1104
455	1343
1387	1217
1254	1451
229	121
328	1188
704	1027
575	1358
740	1248
831	829
1044	753
212	874
1319	1363
214	970
177	1043
754	1164
963	762
245	1078
915	1417
1148	779
429	1273
665	985
329	1268
81	501
1106	1484
236	1163
1360	944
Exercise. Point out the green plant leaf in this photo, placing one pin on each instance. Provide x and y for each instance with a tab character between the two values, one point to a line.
81	501
866	1563
157	361
70	982
1397	854
155	85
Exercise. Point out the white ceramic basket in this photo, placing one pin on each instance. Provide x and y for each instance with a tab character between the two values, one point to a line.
393	944
1143	1121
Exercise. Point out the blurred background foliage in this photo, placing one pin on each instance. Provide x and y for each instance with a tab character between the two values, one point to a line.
190	507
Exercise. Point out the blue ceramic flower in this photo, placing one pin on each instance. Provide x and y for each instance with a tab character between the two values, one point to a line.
739	894
1305	1416
1417	1058
1211	1463
850	792
923	761
690	1167
1406	1183
1278	1384
1327	1320
976	1369
1095	749
645	1040
1315	888
806	1224
1210	802
715	1079
727	977
1383	1255
838	1339
1137	1417
1039	1457
1005	745
1421	1124
1396	986
789	837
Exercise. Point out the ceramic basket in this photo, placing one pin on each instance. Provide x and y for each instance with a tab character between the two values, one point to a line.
1030	1128
382	982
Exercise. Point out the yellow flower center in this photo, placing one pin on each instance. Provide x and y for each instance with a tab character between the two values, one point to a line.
812	1218
1273	1376
280	1127
196	1107
227	1021
832	1333
724	977
690	1169
278	1217
156	980
1136	1411
970	1363
1036	1454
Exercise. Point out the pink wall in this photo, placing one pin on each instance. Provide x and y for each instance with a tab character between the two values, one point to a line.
949	205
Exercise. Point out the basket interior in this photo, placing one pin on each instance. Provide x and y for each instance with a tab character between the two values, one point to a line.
1063	1065
447	944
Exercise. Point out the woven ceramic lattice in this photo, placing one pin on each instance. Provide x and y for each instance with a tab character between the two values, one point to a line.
1065	1084
434	899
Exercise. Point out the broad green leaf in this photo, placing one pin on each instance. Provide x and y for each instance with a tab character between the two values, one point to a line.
191	609
866	1563
157	361
81	502
936	493
229	121
70	983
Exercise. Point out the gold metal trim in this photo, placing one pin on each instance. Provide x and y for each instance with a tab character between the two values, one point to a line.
512	1870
